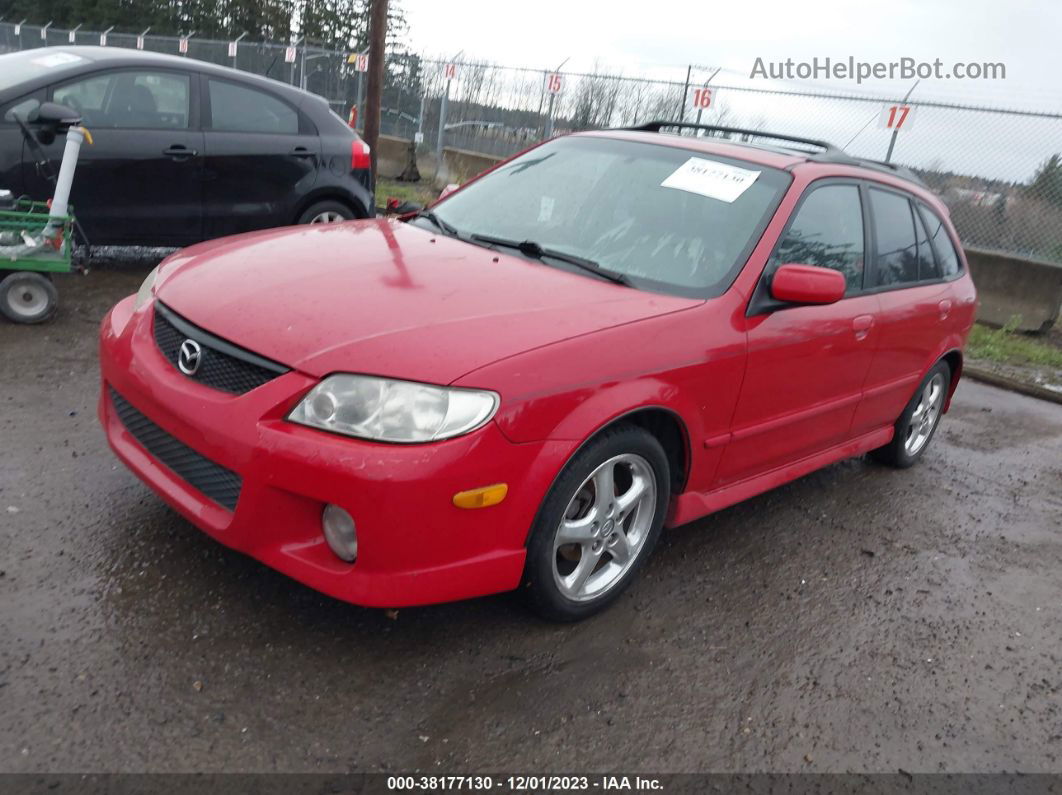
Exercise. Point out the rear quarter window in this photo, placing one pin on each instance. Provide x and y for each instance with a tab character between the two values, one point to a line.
947	256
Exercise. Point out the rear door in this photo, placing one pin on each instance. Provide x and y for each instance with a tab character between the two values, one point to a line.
140	181
262	157
806	364
908	277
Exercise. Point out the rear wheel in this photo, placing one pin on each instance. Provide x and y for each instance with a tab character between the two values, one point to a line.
327	212
919	420
27	297
598	524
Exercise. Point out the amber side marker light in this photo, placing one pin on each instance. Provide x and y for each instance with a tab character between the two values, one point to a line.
482	497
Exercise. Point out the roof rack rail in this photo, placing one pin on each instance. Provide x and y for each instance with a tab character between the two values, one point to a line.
829	154
893	168
825	146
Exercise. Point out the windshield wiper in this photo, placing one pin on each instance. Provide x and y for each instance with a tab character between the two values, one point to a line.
444	227
532	249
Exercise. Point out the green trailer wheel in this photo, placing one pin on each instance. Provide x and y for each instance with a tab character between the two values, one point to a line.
27	297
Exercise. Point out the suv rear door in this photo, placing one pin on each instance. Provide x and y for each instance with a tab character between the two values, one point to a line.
262	157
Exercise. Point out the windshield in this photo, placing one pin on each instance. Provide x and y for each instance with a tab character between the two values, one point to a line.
19	67
669	219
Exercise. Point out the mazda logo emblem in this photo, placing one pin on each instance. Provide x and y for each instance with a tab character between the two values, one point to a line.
189	357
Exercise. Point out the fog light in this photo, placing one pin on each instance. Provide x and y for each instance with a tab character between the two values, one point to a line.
339	532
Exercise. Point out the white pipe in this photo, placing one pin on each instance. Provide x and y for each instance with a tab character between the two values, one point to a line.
61	200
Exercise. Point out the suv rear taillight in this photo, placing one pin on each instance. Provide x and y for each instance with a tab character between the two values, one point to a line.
359	155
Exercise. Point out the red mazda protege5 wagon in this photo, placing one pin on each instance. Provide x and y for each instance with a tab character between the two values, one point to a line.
611	332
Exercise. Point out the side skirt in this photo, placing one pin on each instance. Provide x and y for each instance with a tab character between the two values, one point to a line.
695	504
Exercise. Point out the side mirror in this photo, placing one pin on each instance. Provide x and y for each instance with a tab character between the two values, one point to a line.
807	284
55	115
51	119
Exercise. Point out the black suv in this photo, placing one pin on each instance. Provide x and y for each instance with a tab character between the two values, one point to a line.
183	150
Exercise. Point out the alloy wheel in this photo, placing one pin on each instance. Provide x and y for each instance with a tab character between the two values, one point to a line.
604	527
925	416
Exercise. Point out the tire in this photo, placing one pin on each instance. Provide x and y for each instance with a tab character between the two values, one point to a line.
915	428
327	212
27	297
571	581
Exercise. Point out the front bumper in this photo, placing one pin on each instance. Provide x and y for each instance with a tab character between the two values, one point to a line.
414	545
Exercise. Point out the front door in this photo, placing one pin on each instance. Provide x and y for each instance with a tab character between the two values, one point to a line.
806	365
140	181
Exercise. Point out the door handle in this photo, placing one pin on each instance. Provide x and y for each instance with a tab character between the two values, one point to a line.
945	308
861	325
179	152
301	151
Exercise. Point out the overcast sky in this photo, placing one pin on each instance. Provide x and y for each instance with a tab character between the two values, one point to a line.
658	39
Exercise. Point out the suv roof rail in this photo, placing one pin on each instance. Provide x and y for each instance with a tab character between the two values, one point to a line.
825	146
830	153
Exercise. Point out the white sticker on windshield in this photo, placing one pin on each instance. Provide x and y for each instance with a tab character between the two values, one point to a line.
711	178
57	59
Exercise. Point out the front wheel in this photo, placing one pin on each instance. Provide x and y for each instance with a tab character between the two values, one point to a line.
919	420
27	297
598	524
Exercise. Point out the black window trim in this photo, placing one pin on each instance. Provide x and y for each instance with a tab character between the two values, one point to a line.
913	202
761	302
306	126
193	100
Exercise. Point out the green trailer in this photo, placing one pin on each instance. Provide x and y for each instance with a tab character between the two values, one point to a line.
33	245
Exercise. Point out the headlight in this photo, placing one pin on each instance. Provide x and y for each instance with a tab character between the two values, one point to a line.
393	411
143	295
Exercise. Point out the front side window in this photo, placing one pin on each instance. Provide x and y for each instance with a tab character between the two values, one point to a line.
896	260
941	242
666	218
827	231
132	100
235	108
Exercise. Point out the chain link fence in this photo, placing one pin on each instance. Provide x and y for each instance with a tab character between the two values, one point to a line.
998	170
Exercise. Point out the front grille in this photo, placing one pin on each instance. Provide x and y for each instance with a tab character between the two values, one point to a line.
222	365
215	481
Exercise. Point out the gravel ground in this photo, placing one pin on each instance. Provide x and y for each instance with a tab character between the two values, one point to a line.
860	619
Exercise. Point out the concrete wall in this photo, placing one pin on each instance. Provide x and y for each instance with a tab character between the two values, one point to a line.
459	165
1010	287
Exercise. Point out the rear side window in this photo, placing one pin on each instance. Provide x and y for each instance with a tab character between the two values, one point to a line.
827	231
941	242
235	108
927	261
896	256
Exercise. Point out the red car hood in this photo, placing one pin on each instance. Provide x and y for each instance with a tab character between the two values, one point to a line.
387	298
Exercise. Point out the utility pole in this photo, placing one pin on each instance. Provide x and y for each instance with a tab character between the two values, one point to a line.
377	42
892	138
